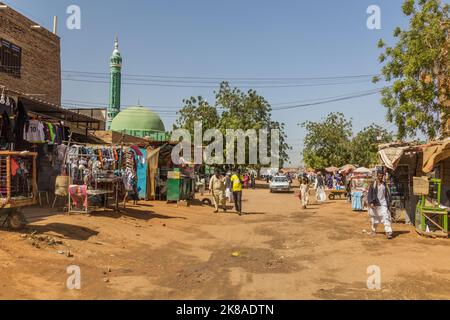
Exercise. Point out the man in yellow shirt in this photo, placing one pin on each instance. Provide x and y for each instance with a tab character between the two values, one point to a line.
236	182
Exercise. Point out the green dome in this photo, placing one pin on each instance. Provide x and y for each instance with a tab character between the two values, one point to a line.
138	119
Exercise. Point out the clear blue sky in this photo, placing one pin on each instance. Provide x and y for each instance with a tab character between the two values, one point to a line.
233	38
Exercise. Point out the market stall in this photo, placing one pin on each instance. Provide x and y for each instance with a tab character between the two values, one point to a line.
166	180
18	186
402	162
100	172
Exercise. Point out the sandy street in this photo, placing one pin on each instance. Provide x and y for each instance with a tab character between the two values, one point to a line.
277	251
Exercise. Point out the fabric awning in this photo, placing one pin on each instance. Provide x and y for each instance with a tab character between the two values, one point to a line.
332	169
433	154
363	170
391	156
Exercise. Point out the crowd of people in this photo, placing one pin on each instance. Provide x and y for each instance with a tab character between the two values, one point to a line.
379	197
228	188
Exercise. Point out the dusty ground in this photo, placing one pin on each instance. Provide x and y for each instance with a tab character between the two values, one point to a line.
160	251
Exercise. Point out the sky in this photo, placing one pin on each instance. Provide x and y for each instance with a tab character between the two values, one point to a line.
225	40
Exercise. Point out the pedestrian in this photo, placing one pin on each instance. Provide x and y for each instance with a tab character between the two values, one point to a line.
252	181
304	193
236	181
320	188
228	189
246	179
379	200
329	180
217	187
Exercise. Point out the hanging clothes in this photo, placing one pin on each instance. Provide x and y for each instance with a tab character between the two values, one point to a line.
142	175
33	132
21	119
6	128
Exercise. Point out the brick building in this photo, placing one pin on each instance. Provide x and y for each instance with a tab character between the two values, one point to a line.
29	57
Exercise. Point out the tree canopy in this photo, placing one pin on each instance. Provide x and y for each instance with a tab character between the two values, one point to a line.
364	146
417	69
327	143
330	142
232	109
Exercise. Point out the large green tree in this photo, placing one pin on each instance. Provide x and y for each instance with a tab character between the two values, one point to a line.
417	69
364	146
197	109
232	109
327	142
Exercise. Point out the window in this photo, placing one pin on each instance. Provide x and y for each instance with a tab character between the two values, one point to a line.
10	58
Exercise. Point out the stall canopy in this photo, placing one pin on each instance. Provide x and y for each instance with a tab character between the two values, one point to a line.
435	153
363	170
347	168
332	169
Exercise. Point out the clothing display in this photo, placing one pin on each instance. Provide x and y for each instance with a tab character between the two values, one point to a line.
78	195
33	132
6	135
99	167
37	132
21	177
357	201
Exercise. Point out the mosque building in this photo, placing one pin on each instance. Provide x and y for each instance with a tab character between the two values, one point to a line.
136	121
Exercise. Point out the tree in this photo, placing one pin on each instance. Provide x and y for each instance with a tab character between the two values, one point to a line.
417	68
364	146
197	109
233	109
327	143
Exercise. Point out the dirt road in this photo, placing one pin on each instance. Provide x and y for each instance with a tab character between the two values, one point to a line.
277	251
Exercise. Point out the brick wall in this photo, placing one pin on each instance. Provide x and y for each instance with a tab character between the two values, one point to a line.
41	62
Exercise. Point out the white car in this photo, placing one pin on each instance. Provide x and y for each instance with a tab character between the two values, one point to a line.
280	184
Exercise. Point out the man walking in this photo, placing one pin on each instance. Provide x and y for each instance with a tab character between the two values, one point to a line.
379	201
236	181
320	188
217	187
304	193
252	181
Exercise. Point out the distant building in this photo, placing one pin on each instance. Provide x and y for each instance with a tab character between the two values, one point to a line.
30	60
115	85
137	121
140	122
30	72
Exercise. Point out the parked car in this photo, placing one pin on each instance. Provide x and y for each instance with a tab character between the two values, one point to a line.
280	184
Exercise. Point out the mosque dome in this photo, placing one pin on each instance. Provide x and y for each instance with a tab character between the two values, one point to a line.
138	121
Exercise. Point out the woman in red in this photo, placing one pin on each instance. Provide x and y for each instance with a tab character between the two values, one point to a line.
246	179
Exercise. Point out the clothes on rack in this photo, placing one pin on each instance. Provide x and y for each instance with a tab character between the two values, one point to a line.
33	132
85	161
78	195
6	134
21	119
38	132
